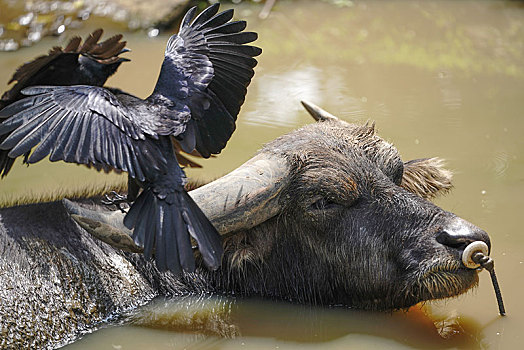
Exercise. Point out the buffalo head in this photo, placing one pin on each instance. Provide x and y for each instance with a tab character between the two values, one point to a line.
331	214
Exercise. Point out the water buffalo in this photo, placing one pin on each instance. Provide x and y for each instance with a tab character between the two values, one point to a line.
328	214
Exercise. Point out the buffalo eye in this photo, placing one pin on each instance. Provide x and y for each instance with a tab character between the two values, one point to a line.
324	204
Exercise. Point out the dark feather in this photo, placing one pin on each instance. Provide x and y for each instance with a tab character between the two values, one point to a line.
211	40
177	225
236	49
217	20
131	218
205	15
62	66
202	231
162	227
151	218
236	38
228	28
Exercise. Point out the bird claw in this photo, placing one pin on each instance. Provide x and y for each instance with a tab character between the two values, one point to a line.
116	199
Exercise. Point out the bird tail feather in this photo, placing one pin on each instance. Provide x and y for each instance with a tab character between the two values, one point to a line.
202	230
164	227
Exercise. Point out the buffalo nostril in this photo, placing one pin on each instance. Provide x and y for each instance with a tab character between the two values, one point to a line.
459	233
449	239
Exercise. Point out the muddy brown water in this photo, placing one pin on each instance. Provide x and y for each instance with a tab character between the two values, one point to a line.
439	78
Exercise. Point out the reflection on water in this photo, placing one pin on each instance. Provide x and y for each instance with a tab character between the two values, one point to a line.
203	315
271	88
439	78
206	322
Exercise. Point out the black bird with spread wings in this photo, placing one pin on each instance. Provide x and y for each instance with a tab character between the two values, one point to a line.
201	87
91	63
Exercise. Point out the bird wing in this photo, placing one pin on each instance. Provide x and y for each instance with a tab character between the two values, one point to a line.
64	67
59	65
207	67
80	124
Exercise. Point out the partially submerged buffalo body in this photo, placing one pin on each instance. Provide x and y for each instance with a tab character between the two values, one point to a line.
328	214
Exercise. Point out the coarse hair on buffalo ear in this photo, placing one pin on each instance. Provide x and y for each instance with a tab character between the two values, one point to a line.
426	177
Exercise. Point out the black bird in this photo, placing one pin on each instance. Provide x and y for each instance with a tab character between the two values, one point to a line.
90	63
201	87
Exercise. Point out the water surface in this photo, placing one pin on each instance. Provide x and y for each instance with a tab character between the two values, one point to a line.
439	78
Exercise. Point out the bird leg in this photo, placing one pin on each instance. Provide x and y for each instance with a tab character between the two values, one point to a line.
116	199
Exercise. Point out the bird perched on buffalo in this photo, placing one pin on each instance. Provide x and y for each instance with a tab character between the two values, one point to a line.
88	63
201	87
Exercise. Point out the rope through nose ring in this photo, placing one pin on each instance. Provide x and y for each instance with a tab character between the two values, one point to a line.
476	255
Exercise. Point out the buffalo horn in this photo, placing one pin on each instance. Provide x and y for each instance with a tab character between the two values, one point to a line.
246	197
318	113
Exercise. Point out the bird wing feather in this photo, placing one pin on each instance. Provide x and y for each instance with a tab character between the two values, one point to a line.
80	124
213	68
72	65
63	61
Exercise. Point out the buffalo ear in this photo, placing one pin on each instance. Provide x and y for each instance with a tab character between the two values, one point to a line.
426	177
318	113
